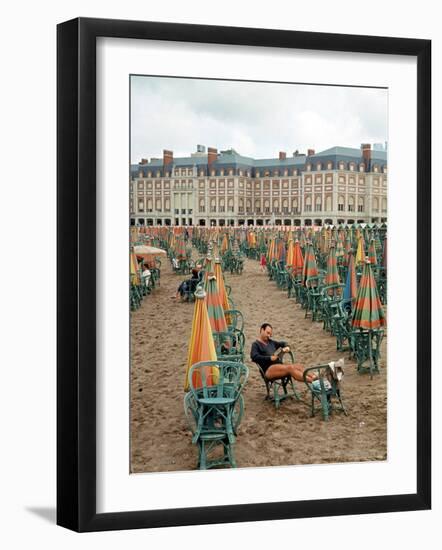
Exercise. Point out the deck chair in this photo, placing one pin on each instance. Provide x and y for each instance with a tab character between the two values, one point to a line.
280	389
214	408
326	391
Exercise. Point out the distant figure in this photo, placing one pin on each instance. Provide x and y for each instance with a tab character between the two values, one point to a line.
262	262
146	275
188	285
267	353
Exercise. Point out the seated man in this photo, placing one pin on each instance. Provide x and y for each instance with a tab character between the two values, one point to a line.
188	285
263	353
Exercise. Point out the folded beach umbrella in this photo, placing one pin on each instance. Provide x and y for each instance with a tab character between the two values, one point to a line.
384	255
339	248
290	254
332	275
221	286
225	244
372	253
298	259
135	278
360	253
310	268
214	305
201	344
368	312
351	286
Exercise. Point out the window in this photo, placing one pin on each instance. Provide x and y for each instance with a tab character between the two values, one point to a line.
230	206
308	204
141	206
285	206
384	204
341	202
266	206
318	204
149	205
222	205
360	204
212	205
202	205
167	205
319	166
328	203
295	206
329	165
351	204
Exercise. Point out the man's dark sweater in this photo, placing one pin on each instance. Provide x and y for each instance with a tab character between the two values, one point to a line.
261	353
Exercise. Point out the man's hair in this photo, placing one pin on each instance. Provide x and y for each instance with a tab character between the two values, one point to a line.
265	325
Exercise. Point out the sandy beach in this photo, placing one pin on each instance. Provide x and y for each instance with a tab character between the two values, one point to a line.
160	438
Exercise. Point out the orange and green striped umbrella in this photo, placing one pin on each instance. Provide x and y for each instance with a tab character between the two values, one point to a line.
332	275
310	268
368	312
298	260
225	244
351	285
221	287
384	255
180	248
290	254
372	253
214	305
201	344
340	248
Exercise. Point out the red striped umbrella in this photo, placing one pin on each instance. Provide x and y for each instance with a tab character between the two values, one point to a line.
298	260
332	275
372	253
221	287
368	312
310	268
384	255
351	285
214	305
180	248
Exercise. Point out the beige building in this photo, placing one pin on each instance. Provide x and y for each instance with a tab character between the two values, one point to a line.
338	185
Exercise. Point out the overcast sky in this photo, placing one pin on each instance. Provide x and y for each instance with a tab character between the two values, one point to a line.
256	119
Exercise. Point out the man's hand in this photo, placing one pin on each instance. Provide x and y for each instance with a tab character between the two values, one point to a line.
273	357
286	349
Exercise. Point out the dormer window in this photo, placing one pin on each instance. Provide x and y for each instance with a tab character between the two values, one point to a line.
318	166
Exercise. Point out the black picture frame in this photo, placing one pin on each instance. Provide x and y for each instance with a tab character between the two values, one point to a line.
76	273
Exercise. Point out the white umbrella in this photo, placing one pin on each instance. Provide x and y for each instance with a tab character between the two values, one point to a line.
151	250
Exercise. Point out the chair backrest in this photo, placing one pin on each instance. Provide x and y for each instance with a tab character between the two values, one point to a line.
217	379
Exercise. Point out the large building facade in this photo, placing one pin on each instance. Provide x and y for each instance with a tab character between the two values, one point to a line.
338	185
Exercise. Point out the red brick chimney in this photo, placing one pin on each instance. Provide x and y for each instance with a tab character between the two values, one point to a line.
167	157
282	155
310	152
212	155
143	161
366	155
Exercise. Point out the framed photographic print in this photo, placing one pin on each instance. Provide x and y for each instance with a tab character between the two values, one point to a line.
225	199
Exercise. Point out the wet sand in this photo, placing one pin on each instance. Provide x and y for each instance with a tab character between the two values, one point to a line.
160	438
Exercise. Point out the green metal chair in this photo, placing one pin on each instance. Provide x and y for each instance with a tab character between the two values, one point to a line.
325	391
214	408
366	346
229	345
283	388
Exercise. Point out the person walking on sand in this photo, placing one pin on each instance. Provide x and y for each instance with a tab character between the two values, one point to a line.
267	353
262	262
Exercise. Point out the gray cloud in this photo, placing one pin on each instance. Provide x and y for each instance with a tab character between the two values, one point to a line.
257	119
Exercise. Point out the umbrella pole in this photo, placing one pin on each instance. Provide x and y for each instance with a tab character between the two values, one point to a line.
370	332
